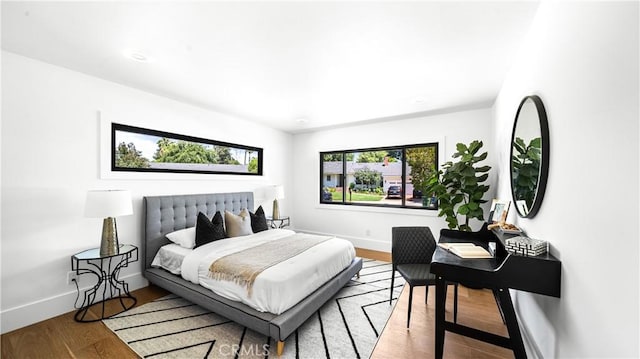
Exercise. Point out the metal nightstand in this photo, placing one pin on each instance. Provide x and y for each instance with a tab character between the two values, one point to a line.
279	222
106	269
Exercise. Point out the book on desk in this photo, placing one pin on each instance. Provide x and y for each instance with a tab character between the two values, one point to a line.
466	250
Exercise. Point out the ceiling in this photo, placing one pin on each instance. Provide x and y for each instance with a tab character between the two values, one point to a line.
295	66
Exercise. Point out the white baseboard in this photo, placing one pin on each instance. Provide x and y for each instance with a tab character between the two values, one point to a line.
34	312
364	243
529	344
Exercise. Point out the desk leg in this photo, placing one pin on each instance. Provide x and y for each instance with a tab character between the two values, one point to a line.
511	321
497	298
441	296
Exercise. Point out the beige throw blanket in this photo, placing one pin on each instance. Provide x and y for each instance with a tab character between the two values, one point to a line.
244	266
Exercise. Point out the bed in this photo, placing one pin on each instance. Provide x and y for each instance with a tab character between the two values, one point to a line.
166	214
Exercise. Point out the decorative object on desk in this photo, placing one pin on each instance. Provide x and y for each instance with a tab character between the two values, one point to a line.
502	228
458	186
526	246
108	204
492	248
529	156
278	193
499	211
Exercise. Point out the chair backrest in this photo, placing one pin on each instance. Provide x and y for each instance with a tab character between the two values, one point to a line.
412	245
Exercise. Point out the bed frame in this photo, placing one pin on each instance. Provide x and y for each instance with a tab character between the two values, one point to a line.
165	214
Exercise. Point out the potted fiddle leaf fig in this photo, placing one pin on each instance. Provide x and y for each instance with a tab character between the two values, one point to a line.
459	186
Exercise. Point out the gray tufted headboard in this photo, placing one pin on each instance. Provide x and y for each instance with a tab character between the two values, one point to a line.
165	214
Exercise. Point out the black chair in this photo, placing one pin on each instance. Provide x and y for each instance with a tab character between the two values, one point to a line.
411	252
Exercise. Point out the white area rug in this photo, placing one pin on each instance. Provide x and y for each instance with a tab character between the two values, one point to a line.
347	326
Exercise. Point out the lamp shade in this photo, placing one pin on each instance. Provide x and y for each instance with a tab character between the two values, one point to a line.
278	191
108	203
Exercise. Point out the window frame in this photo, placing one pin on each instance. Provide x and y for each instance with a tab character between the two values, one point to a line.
115	127
344	175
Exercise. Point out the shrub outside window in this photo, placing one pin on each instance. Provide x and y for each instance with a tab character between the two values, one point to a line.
387	176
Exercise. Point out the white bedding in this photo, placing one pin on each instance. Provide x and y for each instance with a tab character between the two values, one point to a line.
170	257
279	287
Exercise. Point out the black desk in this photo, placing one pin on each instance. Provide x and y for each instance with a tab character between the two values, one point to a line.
539	274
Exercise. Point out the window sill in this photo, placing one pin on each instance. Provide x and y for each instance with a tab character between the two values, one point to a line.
374	209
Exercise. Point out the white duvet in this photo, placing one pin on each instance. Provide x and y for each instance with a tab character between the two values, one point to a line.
277	288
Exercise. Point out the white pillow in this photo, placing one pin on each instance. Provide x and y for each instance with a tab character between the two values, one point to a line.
237	226
184	237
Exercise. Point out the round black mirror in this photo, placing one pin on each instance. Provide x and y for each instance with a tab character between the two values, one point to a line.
529	156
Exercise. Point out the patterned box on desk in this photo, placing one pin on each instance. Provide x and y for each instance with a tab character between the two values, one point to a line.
526	246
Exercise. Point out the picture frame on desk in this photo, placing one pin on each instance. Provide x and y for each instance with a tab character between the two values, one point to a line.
499	210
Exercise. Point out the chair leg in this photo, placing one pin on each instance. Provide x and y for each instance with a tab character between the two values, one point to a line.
393	275
410	300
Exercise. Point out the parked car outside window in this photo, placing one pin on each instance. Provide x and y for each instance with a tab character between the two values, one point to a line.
394	191
417	193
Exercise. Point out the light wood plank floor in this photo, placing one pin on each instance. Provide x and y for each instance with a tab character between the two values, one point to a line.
62	337
476	308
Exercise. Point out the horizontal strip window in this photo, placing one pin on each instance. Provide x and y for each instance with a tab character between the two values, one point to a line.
135	149
393	176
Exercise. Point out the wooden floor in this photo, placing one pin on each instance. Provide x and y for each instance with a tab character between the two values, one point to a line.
62	337
476	309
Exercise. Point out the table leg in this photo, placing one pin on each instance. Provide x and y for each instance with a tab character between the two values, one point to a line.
441	296
112	288
497	298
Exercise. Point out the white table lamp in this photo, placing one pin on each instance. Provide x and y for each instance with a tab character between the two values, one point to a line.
278	193
108	204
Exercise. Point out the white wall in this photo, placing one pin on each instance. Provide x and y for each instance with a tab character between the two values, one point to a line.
582	59
50	158
371	227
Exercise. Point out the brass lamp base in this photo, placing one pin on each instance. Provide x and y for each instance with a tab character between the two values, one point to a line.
275	214
109	245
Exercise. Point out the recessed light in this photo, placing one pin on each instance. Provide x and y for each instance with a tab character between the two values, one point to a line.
136	56
302	120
